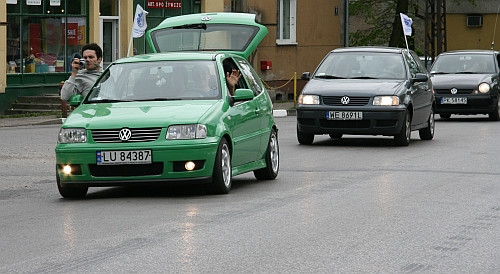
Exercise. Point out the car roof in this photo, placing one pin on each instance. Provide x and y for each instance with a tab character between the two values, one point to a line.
236	33
470	51
370	49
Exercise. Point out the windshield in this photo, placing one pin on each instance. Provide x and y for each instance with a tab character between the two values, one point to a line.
362	65
169	80
201	37
463	63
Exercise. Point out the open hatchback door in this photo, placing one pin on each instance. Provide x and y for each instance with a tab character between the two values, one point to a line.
236	33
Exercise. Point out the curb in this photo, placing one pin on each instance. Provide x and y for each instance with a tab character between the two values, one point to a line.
284	112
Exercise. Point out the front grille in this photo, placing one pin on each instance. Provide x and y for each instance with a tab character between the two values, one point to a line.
448	91
353	101
138	135
155	168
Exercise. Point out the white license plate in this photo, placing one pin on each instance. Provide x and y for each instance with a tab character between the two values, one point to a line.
344	115
124	157
454	100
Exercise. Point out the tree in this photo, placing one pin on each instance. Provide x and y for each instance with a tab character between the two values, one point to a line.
382	20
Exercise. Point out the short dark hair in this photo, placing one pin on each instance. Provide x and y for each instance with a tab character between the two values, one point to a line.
95	47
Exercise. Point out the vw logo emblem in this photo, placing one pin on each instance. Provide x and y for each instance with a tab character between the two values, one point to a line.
125	134
454	91
206	18
344	100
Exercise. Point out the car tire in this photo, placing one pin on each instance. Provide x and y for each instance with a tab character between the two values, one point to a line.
427	133
495	115
272	158
222	174
445	115
304	138
73	192
403	138
335	135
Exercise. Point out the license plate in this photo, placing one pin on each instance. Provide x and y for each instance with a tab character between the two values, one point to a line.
344	115
124	157
454	100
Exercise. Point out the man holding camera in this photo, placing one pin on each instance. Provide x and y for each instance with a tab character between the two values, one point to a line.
84	72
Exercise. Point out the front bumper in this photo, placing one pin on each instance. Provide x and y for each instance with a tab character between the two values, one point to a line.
476	104
166	167
376	121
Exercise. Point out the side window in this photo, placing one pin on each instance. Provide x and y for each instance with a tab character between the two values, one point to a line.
251	76
229	65
412	65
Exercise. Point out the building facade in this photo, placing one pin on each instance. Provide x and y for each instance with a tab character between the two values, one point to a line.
39	38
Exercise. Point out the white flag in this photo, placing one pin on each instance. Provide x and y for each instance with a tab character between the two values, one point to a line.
140	24
406	22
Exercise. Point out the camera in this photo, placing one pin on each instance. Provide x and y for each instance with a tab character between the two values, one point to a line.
82	63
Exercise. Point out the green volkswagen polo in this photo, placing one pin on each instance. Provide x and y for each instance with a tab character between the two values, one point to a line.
170	116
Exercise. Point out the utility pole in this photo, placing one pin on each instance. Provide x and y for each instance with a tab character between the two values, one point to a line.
435	28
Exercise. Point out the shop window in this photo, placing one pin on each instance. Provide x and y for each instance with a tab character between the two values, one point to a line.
285	30
41	38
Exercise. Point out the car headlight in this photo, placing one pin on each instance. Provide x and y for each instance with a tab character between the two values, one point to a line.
385	100
183	132
72	135
308	100
484	88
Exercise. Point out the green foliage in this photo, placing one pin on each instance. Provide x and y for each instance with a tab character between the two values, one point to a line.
378	16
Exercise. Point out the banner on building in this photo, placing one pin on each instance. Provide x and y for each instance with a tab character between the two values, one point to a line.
164	4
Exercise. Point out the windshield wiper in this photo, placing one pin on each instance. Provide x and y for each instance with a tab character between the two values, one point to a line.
440	72
192	26
107	101
329	77
161	99
364	77
466	72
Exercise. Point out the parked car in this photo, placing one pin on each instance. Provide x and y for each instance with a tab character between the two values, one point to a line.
367	91
169	116
467	82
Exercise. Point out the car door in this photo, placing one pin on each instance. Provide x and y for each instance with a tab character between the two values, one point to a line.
245	122
421	92
263	100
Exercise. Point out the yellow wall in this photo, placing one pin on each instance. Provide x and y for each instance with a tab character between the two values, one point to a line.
212	5
3	48
459	36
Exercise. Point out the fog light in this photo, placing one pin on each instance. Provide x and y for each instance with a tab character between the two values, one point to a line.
189	165
67	169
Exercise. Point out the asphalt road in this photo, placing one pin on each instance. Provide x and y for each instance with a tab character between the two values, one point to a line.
356	204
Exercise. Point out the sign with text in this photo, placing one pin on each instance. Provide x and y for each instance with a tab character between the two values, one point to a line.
164	4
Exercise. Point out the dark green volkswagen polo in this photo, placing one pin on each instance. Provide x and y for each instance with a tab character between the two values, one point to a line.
170	116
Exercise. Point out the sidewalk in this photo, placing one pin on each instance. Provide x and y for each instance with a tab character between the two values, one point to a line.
281	109
30	121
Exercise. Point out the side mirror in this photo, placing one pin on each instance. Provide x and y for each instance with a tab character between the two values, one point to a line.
75	100
420	77
306	76
243	94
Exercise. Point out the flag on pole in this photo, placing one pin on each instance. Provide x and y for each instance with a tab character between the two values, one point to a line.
140	24
406	22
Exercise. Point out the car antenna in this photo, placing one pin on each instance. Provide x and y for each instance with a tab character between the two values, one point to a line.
495	29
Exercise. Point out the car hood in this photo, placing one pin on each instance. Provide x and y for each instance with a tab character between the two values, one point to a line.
440	81
352	87
236	33
137	114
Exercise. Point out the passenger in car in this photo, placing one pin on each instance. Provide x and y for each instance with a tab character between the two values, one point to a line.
204	81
